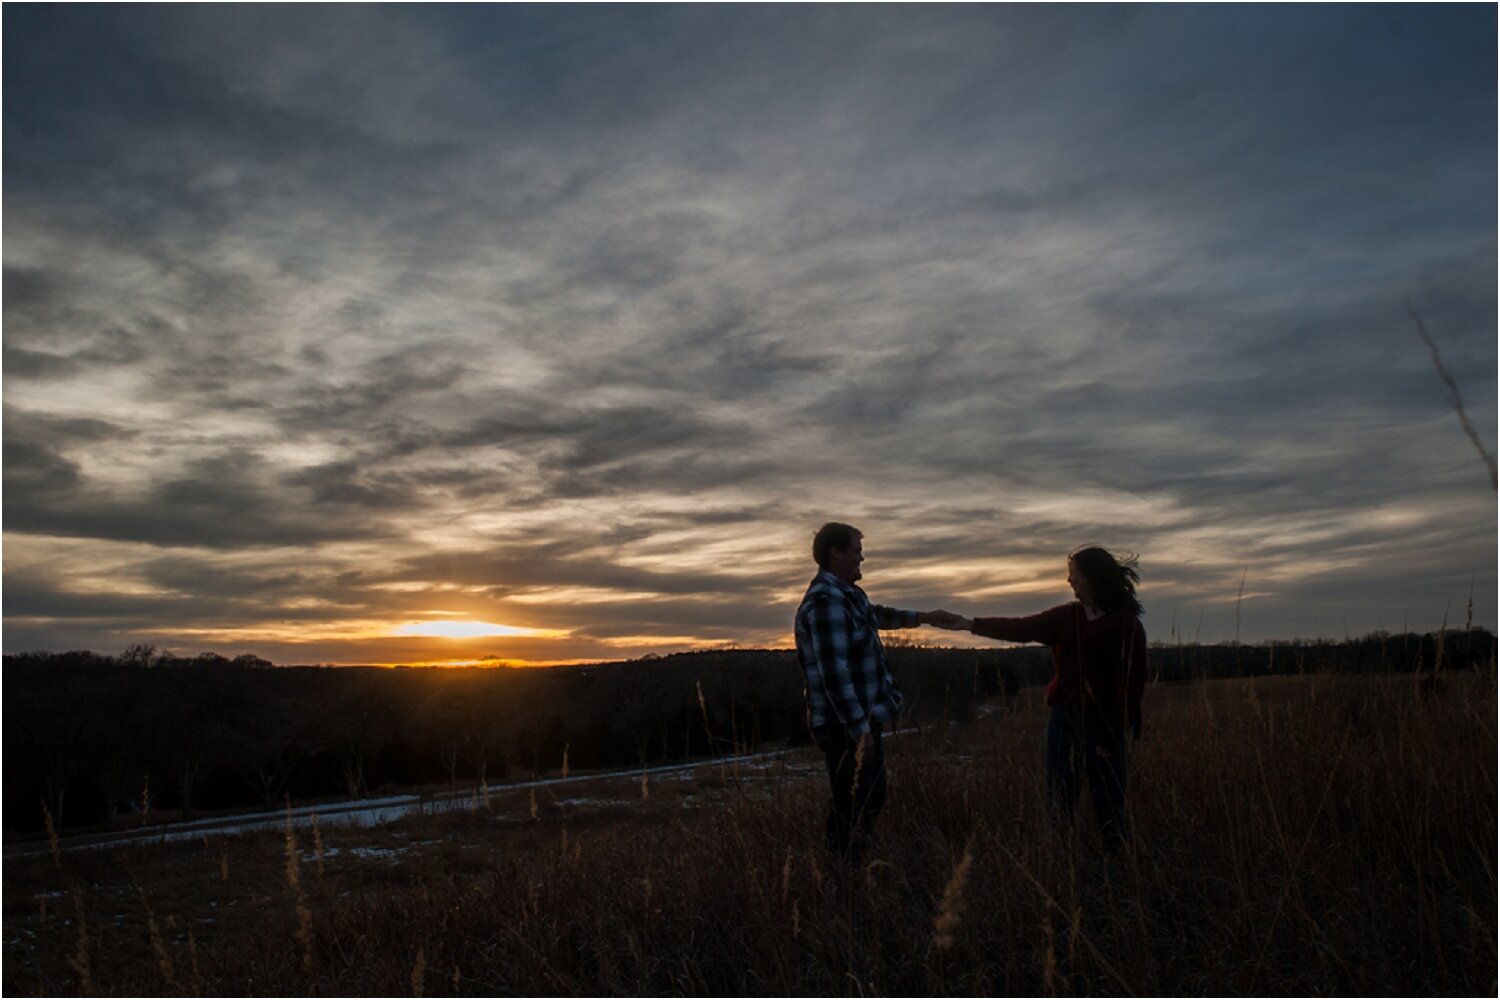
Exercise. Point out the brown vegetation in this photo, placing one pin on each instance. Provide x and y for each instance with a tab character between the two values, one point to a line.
1292	835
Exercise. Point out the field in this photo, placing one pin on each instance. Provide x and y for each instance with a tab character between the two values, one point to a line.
1318	834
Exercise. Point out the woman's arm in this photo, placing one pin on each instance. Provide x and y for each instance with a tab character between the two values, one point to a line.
1041	628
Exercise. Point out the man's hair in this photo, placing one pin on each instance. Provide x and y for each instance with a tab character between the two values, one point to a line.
833	535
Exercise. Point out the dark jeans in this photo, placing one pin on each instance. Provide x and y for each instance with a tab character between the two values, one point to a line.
1073	744
858	792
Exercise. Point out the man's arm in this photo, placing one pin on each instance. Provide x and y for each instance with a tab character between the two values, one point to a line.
889	618
828	626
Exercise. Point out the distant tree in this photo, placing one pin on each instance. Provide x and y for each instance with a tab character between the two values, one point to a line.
53	728
120	739
542	743
441	720
139	655
637	720
272	741
359	726
199	709
483	724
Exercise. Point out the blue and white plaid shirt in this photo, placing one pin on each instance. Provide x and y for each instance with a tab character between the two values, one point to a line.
838	643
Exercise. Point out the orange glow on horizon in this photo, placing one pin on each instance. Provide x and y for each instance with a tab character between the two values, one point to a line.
473	630
488	662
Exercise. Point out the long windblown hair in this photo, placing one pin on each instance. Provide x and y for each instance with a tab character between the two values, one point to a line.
1112	580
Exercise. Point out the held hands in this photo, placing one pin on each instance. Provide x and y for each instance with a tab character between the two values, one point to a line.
948	620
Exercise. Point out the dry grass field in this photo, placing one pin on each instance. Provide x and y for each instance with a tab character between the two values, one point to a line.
1303	835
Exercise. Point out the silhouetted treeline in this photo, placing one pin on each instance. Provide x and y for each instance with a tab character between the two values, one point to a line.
93	739
100	739
1379	652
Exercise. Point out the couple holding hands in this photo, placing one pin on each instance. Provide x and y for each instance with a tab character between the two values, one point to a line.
1099	663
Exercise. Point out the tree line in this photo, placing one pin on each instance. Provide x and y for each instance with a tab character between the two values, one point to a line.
93	739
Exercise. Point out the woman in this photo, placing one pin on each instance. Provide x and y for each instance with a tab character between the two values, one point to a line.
1100	667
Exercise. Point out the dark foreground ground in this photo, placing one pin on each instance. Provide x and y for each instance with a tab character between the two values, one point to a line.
1293	836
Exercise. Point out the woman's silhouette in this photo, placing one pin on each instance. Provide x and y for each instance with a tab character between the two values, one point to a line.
1100	667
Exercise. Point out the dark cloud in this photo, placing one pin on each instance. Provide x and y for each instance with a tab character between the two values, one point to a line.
380	394
37	468
212	603
597	452
21	363
53	430
343	484
218	502
27	288
520	569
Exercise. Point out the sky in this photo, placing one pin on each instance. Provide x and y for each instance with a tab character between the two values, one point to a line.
329	328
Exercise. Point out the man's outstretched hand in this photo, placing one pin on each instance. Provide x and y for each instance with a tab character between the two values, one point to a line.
948	620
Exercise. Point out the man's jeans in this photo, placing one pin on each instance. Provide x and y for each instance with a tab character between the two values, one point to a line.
858	792
1071	753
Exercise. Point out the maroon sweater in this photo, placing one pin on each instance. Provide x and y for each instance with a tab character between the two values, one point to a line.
1100	666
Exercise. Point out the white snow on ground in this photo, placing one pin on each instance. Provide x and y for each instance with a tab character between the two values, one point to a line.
365	853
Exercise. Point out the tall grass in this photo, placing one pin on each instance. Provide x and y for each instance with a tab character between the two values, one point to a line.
1298	835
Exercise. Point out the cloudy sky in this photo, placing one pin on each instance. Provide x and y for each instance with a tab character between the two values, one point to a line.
325	326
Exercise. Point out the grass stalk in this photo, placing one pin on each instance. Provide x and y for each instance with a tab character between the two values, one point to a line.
304	931
1456	398
158	943
81	959
951	908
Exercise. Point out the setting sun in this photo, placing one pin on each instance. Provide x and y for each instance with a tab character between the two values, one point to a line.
468	630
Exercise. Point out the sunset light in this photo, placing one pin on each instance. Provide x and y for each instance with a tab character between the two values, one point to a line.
471	630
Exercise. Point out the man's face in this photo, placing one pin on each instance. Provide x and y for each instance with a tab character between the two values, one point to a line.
844	563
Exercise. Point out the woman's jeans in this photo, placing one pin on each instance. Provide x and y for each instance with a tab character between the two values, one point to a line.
1072	752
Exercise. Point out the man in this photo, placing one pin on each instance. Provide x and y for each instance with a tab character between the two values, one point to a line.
851	697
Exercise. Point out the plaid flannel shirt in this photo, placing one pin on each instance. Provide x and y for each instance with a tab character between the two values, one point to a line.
848	680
